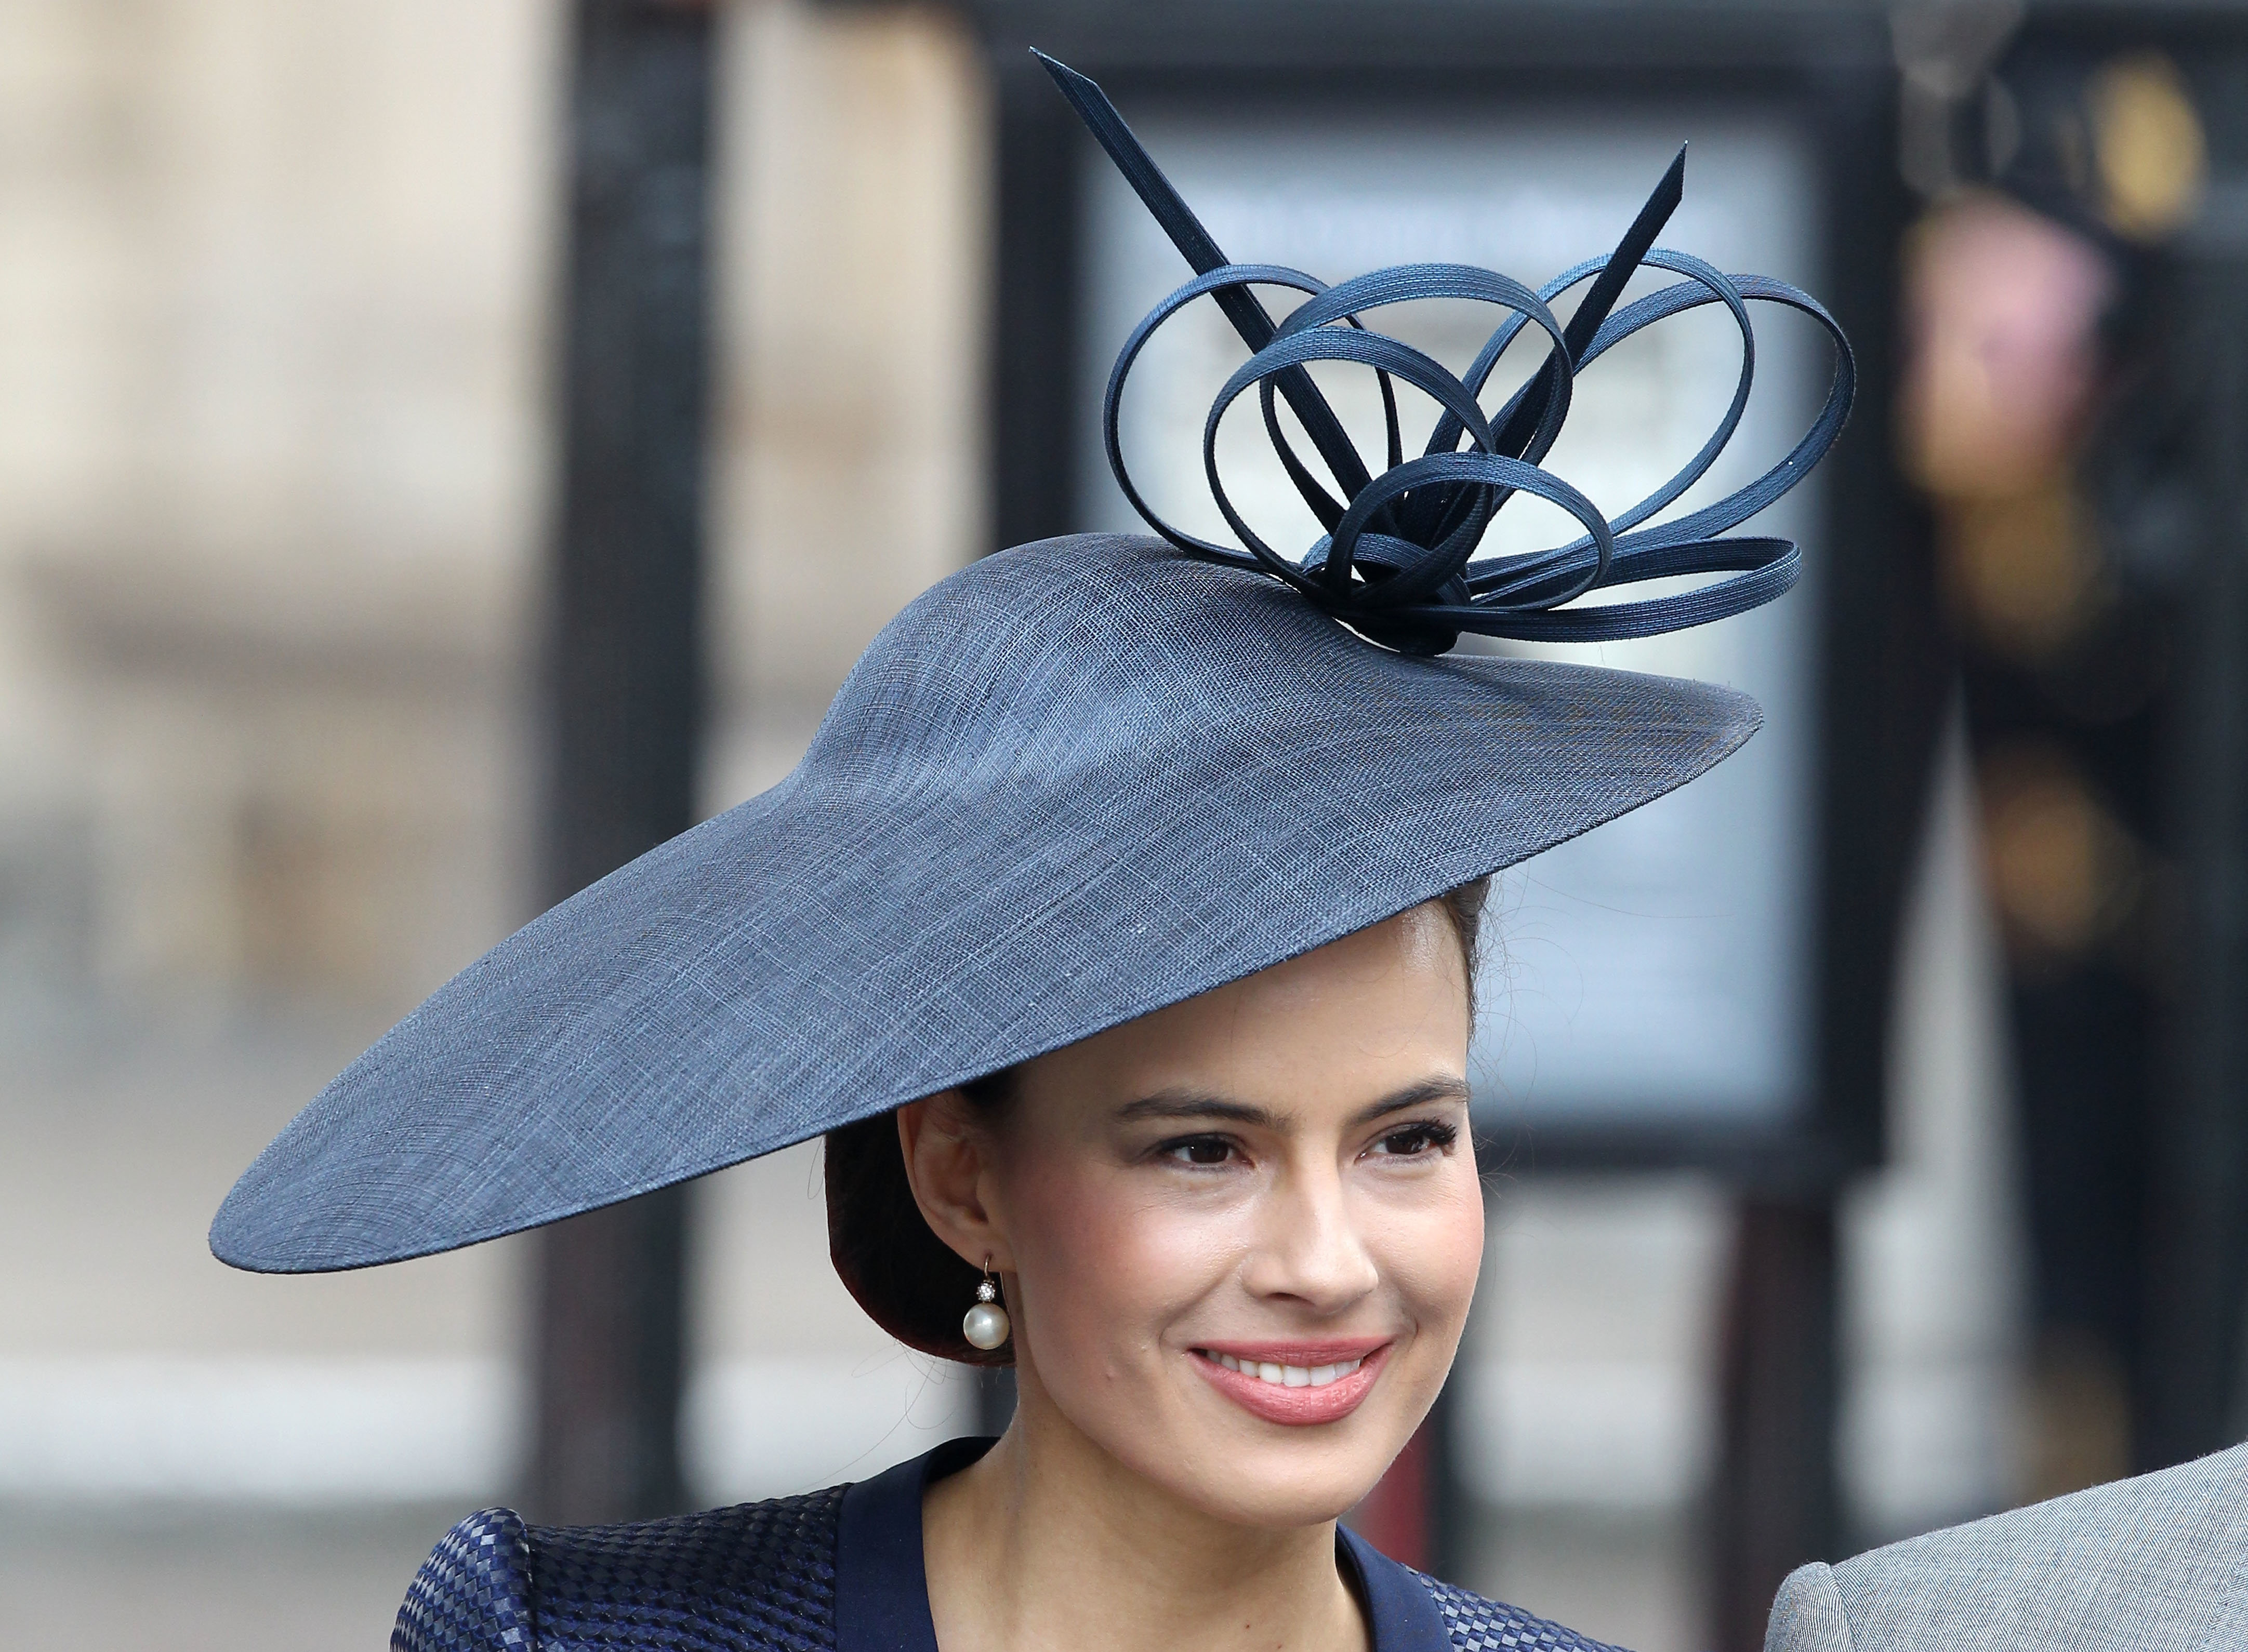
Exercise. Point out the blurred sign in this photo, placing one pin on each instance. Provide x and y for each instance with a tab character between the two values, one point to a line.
1661	970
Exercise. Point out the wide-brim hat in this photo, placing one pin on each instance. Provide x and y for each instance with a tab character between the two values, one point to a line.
1071	784
1083	779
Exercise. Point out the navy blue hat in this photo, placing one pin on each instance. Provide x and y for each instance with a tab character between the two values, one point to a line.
1074	783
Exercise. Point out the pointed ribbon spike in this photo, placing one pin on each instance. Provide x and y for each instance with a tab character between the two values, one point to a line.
1607	288
1170	208
1608	285
1240	305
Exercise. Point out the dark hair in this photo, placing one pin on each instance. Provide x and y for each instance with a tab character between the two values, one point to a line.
910	1282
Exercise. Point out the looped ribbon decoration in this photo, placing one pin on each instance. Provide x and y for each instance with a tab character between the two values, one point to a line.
1397	562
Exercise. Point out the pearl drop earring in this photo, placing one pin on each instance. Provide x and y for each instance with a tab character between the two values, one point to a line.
985	1325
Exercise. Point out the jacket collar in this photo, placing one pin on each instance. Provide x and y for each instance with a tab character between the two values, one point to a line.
882	1591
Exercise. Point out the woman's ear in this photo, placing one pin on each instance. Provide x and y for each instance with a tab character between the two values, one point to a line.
949	1165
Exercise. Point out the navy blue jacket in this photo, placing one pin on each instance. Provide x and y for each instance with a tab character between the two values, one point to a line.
832	1571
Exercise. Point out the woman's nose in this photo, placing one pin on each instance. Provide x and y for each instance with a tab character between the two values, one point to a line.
1306	1246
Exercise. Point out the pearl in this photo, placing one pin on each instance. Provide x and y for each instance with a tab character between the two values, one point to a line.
985	1327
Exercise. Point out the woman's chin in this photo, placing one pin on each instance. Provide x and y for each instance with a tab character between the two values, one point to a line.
1280	1498
1273	1478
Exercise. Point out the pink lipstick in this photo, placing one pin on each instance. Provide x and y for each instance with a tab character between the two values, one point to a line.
1296	1383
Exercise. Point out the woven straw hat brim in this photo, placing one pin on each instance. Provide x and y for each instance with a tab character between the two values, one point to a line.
1071	784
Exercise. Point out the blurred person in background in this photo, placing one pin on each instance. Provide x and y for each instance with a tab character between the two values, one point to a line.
2061	563
2032	416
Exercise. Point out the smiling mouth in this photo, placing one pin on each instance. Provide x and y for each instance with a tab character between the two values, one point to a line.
1328	1387
1286	1375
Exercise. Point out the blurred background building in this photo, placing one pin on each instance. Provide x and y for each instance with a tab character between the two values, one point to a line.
281	307
276	474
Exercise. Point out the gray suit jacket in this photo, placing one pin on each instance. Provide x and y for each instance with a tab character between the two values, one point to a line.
2160	1561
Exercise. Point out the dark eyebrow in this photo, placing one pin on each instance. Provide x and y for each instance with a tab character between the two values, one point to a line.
1196	1104
1429	1090
1182	1103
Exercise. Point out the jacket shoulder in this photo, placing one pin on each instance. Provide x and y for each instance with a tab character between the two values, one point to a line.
1808	1615
1476	1624
759	1577
2150	1561
473	1594
747	1579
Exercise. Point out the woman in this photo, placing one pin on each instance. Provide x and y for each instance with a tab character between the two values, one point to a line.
1117	932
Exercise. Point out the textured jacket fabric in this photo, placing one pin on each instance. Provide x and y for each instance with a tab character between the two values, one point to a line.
2159	1561
833	1571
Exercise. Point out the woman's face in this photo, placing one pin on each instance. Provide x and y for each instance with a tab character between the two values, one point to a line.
1240	1234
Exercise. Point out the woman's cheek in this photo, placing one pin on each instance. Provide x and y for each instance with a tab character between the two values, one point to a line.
1432	1252
1103	1259
1077	1247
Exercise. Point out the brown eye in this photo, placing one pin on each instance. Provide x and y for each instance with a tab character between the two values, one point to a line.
1201	1149
1416	1140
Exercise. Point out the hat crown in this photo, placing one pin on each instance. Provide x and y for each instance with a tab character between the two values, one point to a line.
1063	656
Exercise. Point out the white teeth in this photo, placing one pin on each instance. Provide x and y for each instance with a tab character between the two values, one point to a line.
1290	1375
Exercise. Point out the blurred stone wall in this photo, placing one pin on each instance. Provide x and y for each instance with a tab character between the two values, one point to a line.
277	294
851	425
276	284
271	294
